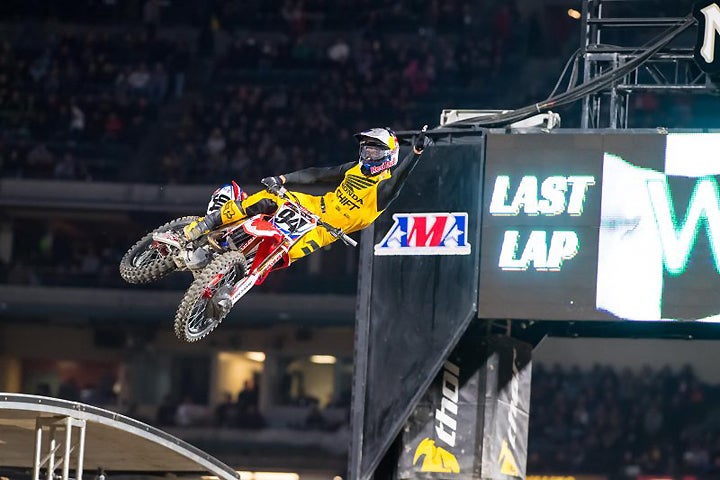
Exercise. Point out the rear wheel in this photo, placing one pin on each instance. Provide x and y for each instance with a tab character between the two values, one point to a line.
146	261
195	317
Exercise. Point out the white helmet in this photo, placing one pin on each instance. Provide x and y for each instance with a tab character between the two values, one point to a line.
379	150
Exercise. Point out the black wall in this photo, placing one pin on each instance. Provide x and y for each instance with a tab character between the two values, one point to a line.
413	308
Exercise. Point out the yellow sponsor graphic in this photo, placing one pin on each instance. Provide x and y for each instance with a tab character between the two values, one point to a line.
437	459
230	212
391	142
508	465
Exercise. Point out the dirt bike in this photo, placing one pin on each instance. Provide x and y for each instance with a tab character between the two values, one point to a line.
237	257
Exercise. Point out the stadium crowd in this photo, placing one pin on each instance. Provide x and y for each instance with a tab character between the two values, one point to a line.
161	92
193	93
282	89
623	423
77	105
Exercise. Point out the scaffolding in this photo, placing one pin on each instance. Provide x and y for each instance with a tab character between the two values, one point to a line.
607	36
48	461
70	436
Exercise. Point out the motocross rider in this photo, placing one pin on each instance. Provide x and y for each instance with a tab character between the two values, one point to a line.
364	189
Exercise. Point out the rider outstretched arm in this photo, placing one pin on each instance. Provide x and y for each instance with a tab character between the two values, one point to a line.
312	175
389	189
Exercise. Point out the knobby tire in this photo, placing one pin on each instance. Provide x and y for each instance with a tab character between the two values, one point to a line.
222	264
156	268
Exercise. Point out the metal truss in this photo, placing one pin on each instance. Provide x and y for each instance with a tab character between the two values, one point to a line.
670	71
49	460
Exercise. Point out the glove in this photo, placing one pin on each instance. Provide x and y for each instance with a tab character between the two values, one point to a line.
199	227
272	183
421	141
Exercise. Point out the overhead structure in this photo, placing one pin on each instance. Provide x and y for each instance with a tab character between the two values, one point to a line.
611	39
619	54
55	437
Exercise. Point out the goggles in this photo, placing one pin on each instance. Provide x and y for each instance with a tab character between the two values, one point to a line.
373	153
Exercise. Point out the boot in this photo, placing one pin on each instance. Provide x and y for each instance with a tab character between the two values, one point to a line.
202	226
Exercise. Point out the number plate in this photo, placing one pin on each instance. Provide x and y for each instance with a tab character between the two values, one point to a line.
293	222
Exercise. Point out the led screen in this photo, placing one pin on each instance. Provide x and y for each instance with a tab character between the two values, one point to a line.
601	226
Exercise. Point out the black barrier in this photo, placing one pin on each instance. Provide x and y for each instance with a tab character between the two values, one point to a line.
417	294
473	420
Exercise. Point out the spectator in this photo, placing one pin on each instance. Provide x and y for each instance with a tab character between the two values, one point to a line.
43	389
158	84
139	80
251	419
114	127
151	12
172	168
166	412
247	399
77	120
226	412
179	61
66	169
69	390
89	264
189	413
294	14
21	274
339	52
40	160
216	142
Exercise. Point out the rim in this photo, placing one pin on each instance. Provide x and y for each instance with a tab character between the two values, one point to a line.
149	255
198	324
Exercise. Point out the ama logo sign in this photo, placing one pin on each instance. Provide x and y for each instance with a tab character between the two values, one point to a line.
426	234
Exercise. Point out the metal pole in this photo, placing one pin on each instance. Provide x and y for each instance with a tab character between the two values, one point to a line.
68	441
597	110
585	28
599	16
51	460
38	448
614	98
626	109
81	452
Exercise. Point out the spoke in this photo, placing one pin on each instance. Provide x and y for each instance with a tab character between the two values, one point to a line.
148	256
198	323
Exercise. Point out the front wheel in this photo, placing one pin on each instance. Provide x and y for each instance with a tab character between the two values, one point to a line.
196	317
146	261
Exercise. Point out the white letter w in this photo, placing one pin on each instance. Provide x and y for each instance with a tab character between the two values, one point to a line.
678	241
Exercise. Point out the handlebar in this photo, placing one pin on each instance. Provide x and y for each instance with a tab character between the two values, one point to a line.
282	192
337	233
